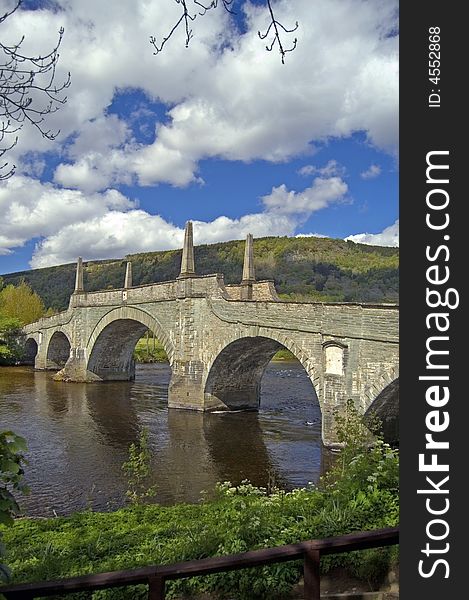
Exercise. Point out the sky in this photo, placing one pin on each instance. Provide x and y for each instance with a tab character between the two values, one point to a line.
219	132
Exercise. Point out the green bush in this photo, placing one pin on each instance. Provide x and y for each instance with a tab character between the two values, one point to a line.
12	460
137	470
10	337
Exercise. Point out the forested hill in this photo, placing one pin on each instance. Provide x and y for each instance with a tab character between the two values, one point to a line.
305	268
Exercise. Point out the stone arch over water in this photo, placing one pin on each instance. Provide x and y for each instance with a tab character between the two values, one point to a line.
385	408
58	350
235	375
30	351
112	342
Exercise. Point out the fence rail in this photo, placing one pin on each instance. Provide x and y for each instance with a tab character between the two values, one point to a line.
156	576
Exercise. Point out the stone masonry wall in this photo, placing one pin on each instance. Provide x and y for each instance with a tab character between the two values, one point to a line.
348	350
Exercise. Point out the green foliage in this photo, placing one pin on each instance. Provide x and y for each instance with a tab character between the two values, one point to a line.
149	350
138	469
304	269
12	460
284	355
10	340
240	518
21	302
366	467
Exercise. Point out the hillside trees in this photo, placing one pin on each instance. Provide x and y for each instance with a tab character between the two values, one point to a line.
304	269
21	302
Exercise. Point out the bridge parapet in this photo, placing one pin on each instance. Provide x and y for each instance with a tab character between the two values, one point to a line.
47	322
353	320
207	285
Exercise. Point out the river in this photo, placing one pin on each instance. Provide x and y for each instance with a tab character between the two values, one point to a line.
78	437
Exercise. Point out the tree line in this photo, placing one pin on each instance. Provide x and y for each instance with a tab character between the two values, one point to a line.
19	305
303	269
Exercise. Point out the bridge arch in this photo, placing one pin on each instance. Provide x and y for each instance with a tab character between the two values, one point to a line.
30	351
385	407
235	372
112	342
58	350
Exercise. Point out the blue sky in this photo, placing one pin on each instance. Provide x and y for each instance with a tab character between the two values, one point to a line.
220	133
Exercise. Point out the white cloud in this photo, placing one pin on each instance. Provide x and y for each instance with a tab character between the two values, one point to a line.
225	97
322	193
238	103
116	234
318	235
32	209
331	169
372	172
387	237
71	223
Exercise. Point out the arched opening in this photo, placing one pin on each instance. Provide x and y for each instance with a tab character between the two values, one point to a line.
58	351
120	347
385	409
279	442
235	378
30	351
112	354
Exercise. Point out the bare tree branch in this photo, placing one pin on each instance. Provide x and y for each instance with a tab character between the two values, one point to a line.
186	17
274	24
226	3
28	92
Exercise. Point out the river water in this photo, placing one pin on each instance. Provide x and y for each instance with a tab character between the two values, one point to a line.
78	437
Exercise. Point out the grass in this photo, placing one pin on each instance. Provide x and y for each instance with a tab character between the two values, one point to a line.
239	519
149	351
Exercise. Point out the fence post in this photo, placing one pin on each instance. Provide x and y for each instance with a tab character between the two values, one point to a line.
156	588
311	574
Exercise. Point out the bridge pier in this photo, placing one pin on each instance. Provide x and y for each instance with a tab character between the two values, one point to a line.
186	389
75	369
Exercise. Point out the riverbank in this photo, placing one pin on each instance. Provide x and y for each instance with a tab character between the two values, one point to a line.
236	520
149	350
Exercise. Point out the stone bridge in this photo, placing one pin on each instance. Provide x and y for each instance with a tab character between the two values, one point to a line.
220	338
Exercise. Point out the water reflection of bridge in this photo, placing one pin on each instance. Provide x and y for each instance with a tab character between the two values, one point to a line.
91	427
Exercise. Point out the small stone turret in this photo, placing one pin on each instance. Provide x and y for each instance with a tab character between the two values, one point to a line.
128	276
187	262
79	277
249	275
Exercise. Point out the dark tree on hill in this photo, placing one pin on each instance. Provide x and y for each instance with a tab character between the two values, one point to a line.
191	9
28	92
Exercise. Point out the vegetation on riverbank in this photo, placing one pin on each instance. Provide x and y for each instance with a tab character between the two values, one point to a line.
19	305
149	350
12	448
359	493
304	269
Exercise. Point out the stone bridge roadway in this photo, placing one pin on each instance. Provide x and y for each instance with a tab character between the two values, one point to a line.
219	344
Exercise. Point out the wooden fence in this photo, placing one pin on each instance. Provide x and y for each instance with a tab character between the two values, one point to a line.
156	576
